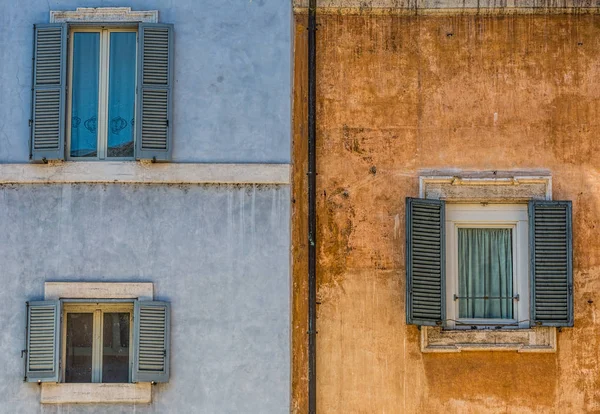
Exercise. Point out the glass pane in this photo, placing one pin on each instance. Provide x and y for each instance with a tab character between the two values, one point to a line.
84	106
485	273
121	94
115	357
80	336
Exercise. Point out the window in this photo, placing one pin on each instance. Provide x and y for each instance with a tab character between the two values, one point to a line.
95	341
102	92
488	266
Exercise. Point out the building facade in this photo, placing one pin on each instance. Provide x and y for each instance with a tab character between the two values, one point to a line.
98	231
486	111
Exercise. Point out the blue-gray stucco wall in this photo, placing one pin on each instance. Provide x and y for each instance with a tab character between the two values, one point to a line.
218	253
231	97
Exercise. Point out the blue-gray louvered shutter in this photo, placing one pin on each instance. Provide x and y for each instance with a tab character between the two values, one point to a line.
43	333
47	141
154	131
425	262
151	341
551	266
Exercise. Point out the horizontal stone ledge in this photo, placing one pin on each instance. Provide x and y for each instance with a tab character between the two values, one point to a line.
131	172
79	393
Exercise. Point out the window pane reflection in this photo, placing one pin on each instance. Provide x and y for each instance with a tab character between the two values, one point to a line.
115	358
121	94
84	106
80	335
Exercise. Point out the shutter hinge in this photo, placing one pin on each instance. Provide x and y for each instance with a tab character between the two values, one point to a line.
23	352
570	289
167	122
164	352
30	123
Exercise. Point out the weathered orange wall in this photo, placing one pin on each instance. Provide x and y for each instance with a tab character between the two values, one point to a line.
399	94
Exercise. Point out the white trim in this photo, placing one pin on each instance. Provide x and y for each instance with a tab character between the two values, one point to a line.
512	216
130	172
98	290
103	15
77	393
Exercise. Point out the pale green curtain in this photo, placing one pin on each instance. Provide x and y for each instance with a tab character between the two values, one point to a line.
485	273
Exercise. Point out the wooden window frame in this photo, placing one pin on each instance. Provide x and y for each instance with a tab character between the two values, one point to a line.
98	309
103	84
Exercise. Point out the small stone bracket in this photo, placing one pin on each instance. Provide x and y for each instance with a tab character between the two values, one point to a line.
103	15
538	339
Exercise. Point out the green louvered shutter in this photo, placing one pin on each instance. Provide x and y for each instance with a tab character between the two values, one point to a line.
551	267
155	81
43	333
151	339
425	262
47	139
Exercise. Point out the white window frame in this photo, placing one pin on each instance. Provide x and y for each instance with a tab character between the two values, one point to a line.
98	309
103	82
487	215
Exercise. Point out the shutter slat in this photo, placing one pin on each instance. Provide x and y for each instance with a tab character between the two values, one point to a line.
48	95
154	139
425	273
43	329
551	262
151	362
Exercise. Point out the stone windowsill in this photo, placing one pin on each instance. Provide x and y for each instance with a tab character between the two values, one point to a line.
53	393
538	339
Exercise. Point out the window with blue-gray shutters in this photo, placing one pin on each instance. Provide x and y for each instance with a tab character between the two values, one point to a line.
102	92
548	282
96	341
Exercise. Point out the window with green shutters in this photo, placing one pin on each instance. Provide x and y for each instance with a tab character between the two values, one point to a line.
97	341
102	92
488	266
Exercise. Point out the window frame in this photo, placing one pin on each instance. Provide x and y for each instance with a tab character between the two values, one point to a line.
98	309
488	215
103	85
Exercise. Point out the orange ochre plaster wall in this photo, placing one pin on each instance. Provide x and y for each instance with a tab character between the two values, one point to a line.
401	94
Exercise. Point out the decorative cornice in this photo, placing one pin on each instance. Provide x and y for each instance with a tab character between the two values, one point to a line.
103	15
500	186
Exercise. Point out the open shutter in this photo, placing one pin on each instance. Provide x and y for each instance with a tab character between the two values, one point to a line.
551	255
43	330
151	339
47	141
155	81
425	262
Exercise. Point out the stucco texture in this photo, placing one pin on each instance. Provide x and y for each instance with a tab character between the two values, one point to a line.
231	92
400	95
218	254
